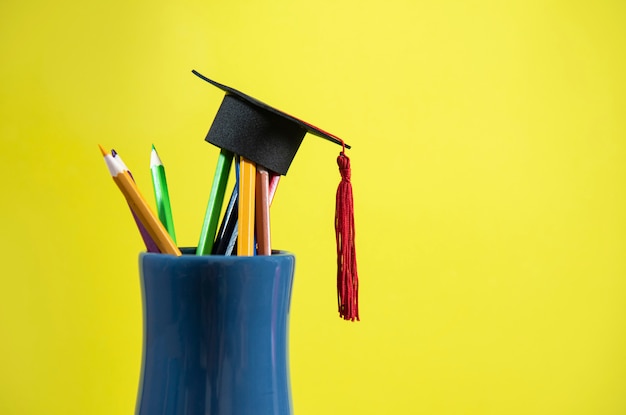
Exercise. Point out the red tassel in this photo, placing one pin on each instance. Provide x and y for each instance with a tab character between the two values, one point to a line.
347	276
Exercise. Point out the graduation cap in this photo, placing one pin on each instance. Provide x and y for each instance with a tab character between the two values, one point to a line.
269	137
250	128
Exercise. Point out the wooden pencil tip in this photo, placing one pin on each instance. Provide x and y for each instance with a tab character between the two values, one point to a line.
104	152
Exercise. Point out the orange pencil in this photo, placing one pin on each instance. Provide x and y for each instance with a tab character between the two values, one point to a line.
139	206
264	246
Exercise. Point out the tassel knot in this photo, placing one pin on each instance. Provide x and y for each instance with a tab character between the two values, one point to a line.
347	276
344	166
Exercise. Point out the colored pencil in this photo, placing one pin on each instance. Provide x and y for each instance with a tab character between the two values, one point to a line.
262	212
139	205
228	226
231	241
214	207
247	178
231	247
161	193
147	239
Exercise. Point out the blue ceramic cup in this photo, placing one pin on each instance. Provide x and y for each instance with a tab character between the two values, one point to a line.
215	334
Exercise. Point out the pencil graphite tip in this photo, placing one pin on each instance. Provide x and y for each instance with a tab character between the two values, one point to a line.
104	152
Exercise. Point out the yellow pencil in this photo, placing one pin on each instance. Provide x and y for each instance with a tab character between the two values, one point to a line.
245	236
139	206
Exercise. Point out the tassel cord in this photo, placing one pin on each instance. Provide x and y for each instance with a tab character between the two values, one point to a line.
347	275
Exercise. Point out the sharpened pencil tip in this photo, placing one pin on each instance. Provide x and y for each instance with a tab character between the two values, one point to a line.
155	160
104	152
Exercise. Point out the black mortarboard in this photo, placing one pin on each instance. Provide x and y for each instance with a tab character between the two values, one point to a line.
258	132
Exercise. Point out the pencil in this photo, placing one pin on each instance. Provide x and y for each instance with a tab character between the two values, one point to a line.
262	211
228	226
231	239
147	239
161	193
231	245
214	207
138	205
245	237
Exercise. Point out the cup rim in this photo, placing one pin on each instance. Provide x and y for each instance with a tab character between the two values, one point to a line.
190	252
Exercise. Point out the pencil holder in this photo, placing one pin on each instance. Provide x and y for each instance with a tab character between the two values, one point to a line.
215	335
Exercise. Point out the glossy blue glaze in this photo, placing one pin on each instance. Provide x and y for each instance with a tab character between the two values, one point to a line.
215	335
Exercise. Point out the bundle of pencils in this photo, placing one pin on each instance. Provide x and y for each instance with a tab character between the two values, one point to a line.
256	185
262	141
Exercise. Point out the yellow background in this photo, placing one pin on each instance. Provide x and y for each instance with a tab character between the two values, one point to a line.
489	178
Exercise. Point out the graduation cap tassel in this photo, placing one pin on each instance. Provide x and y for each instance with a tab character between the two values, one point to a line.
347	276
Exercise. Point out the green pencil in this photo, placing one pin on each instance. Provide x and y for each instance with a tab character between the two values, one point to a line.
214	208
161	194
